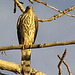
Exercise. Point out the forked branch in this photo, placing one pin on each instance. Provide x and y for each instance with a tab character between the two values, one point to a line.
53	7
19	4
62	58
68	68
58	15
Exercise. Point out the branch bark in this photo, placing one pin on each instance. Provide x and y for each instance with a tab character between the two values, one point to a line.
5	65
68	68
10	66
17	3
2	48
44	3
62	58
58	15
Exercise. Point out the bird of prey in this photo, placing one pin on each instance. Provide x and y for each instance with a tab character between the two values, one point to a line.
27	28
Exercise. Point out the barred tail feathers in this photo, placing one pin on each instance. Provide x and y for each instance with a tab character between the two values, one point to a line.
26	61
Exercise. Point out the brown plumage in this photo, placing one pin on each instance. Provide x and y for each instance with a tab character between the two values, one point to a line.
27	27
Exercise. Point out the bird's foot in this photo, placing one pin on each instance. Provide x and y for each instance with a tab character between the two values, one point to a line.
23	46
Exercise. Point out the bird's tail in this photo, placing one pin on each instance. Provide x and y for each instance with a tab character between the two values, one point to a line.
26	61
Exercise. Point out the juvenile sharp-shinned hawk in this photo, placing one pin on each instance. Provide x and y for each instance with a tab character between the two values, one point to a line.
27	27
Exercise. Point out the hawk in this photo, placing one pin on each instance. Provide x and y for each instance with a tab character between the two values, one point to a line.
27	28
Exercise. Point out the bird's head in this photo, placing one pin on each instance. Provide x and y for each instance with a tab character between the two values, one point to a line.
29	9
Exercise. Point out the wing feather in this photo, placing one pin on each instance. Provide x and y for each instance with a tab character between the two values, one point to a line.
36	27
18	29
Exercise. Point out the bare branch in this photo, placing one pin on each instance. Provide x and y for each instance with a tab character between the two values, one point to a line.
58	15
31	1
19	4
2	48
10	66
15	7
48	5
35	72
53	7
62	58
41	2
70	15
68	68
4	65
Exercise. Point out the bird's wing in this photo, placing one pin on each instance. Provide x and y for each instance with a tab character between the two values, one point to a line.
36	27
18	29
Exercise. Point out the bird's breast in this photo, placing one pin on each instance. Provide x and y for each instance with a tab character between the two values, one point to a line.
27	28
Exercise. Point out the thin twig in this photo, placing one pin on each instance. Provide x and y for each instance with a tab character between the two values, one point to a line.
68	68
58	15
2	48
19	4
31	1
53	7
62	58
15	7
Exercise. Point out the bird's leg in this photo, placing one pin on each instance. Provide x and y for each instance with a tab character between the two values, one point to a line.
23	46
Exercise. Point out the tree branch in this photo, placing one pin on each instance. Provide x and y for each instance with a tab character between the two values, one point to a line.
5	65
68	68
15	7
62	58
58	15
2	48
10	66
35	72
31	1
19	4
53	7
